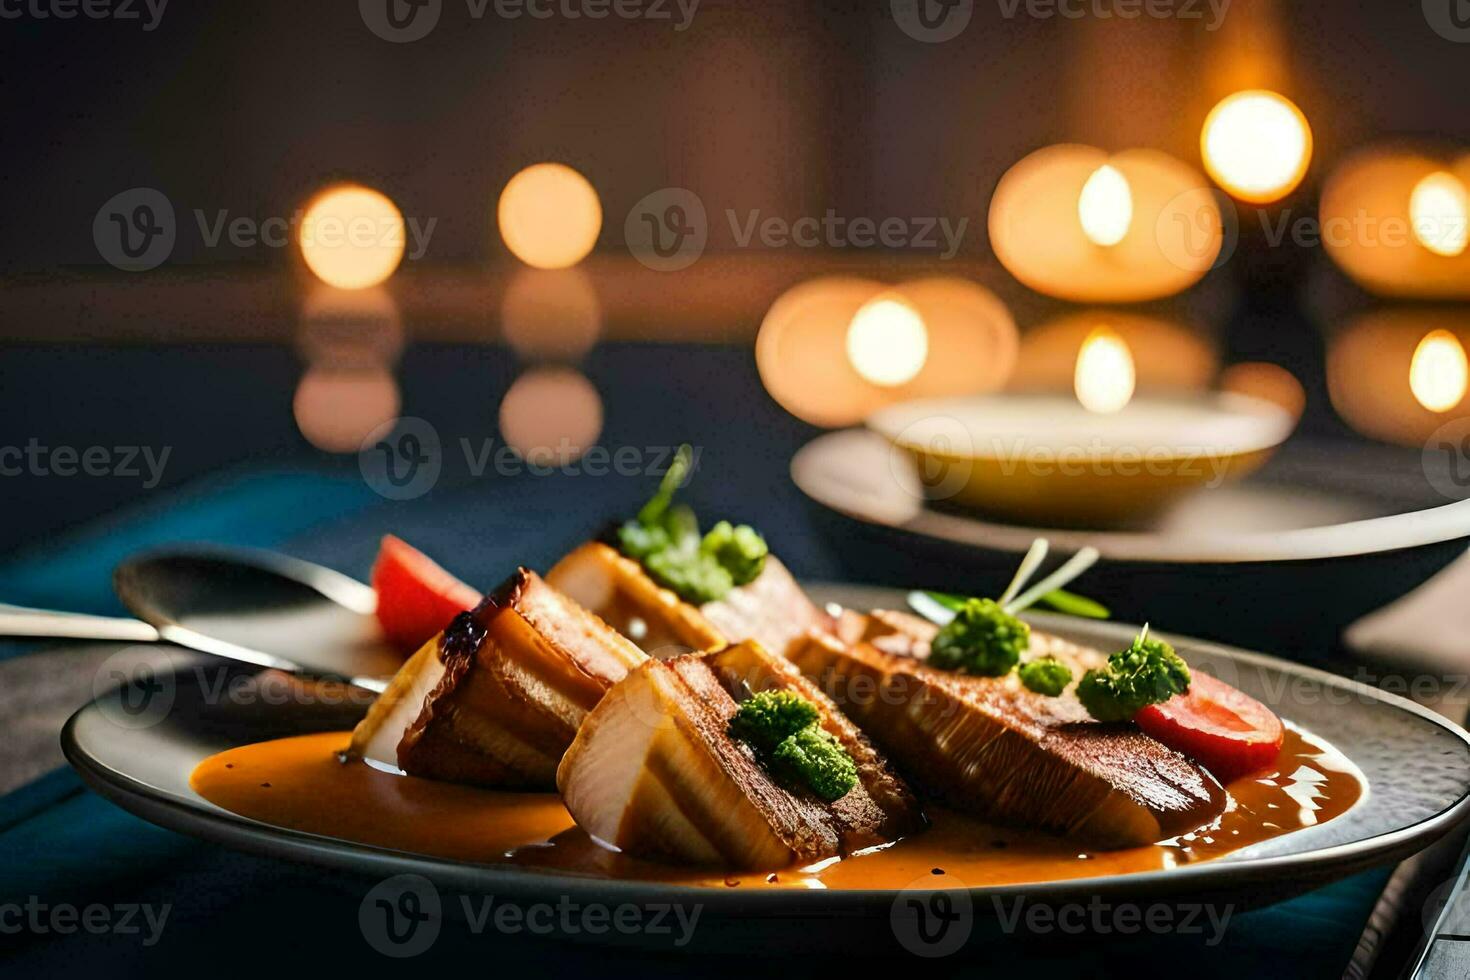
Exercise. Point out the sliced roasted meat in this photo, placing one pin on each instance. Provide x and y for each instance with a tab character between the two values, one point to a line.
772	610
655	773
497	698
995	750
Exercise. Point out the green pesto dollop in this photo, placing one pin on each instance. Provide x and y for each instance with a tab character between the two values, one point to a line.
766	718
783	727
1147	672
1045	675
814	757
982	639
666	540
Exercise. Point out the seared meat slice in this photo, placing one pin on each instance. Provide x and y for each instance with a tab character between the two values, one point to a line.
654	772
496	699
773	610
993	749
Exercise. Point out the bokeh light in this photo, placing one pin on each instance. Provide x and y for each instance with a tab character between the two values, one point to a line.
550	216
1268	383
551	415
551	314
1257	145
1168	356
337	409
348	330
1105	206
352	237
887	341
1104	378
1438	209
1438	372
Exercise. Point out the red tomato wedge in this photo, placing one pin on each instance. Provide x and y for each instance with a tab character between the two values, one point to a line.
1229	733
416	597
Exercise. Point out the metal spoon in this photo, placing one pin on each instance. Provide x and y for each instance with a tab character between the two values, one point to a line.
257	607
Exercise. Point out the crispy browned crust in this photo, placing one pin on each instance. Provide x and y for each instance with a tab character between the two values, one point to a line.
693	775
1002	753
520	673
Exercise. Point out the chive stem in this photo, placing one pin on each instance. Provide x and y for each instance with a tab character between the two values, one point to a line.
1034	557
1075	566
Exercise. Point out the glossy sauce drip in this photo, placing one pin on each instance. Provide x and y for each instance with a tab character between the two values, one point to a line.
301	783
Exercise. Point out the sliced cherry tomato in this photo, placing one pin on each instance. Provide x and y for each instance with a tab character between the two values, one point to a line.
1229	733
416	597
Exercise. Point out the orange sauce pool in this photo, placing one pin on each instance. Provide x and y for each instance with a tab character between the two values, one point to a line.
300	783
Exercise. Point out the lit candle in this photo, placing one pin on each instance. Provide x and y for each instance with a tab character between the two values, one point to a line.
1396	221
1078	224
549	216
1399	374
352	237
832	351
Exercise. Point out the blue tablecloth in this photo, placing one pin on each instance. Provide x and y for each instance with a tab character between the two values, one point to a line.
233	913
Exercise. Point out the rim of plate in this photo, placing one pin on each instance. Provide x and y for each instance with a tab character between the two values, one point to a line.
834	470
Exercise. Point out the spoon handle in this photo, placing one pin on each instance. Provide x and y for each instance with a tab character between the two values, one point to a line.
21	621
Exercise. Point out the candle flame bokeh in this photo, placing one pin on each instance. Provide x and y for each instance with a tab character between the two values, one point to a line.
1105	377
887	341
550	216
1257	145
352	237
1105	206
1439	373
1438	209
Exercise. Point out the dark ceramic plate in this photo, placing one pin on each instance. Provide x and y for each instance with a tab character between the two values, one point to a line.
140	754
1283	561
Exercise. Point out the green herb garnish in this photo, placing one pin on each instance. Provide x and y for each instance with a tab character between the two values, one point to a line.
982	639
1045	675
783	727
665	538
1148	672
